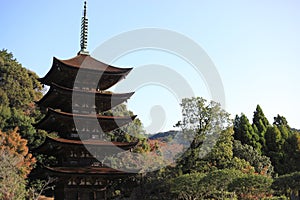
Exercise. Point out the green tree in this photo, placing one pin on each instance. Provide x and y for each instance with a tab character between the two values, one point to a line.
274	140
251	186
5	112
19	89
187	186
244	132
260	124
260	120
220	156
262	164
130	132
202	125
292	153
20	84
288	184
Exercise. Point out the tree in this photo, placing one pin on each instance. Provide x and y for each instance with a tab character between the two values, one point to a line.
5	112
127	133
260	120
288	184
251	186
274	140
20	85
19	89
202	125
12	184
187	186
220	184
220	156
260	124
12	143
15	165
244	132
262	164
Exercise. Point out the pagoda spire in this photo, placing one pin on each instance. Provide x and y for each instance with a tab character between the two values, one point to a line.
84	32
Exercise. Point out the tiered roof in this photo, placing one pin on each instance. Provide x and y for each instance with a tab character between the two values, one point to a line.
74	106
56	144
92	69
58	121
103	100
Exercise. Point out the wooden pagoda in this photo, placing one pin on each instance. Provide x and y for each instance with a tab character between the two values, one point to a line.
81	143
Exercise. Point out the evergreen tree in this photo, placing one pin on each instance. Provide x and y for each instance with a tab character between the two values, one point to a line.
274	143
244	132
259	120
260	124
283	146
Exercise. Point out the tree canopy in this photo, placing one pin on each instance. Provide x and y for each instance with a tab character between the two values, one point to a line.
19	89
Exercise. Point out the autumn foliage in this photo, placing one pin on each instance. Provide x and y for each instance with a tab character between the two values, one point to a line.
12	143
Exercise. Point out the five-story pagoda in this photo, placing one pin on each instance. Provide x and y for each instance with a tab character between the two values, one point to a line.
74	107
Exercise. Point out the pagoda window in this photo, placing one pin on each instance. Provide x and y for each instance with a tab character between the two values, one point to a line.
95	136
99	182
72	181
72	154
82	181
73	162
87	155
73	129
87	182
74	135
97	164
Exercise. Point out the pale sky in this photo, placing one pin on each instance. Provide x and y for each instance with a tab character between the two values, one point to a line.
254	45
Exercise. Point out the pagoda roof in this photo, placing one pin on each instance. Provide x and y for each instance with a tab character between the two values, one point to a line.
88	62
58	121
64	72
55	145
91	142
59	97
86	171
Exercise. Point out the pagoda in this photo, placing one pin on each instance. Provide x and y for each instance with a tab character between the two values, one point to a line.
75	111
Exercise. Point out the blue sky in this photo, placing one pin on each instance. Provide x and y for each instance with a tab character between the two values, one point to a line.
254	45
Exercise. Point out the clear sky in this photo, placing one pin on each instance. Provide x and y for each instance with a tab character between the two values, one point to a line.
254	45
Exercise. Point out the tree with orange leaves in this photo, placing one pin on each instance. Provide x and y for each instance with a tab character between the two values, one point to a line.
15	164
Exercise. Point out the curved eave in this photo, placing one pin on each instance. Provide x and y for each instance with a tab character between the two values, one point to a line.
92	142
59	97
53	145
63	73
88	116
58	121
91	92
87	62
101	171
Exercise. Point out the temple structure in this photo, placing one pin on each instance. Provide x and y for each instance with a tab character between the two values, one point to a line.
75	111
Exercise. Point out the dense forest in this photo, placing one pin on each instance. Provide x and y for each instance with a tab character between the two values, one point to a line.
226	158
